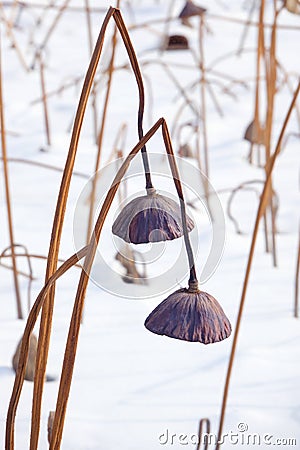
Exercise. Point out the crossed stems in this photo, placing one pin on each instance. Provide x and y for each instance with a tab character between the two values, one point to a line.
48	305
89	253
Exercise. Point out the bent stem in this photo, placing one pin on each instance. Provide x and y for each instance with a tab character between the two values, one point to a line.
99	137
193	282
261	209
47	312
71	345
43	295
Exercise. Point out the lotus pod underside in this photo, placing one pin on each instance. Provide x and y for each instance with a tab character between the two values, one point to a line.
150	218
190	316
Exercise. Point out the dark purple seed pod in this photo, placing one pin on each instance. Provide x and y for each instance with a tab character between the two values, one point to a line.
193	316
190	9
150	218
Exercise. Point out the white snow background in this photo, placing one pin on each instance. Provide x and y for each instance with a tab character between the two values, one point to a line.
130	386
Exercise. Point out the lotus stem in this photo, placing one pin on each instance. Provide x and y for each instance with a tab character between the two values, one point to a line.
8	196
261	208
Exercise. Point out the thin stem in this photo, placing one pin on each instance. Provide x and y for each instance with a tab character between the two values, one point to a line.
101	133
7	196
43	295
47	312
137	72
296	307
178	186
44	97
51	29
90	44
203	96
261	208
71	346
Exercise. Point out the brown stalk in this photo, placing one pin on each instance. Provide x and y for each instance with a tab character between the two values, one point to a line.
203	439
259	55
11	35
45	166
203	96
297	276
52	5
20	272
271	92
30	275
178	186
43	295
99	137
203	83
28	255
8	197
212	16
44	97
71	345
74	82
51	29
261	208
91	45
47	313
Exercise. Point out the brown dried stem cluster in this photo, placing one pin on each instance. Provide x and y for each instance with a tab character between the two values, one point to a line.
45	299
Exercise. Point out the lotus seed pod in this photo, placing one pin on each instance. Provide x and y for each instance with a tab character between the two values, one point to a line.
193	316
190	10
293	6
150	218
254	134
176	42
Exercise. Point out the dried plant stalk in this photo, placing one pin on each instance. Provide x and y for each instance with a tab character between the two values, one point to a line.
296	307
90	44
51	29
44	97
7	196
47	313
261	209
42	297
203	438
14	42
99	137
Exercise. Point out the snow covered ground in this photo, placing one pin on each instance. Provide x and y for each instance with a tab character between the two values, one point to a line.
131	387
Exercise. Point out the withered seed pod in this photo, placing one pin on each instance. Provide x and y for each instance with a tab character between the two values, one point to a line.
176	42
189	315
185	151
150	218
190	10
293	6
254	134
31	360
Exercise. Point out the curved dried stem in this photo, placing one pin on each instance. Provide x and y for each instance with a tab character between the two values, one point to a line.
260	212
45	166
71	345
99	138
178	186
28	258
203	439
43	296
47	313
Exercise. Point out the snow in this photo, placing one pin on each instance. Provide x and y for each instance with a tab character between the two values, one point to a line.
130	386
